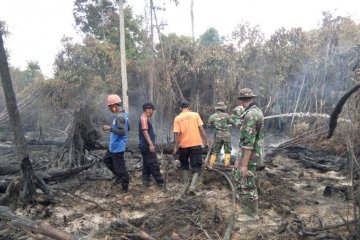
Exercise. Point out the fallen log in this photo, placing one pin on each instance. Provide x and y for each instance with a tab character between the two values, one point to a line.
26	224
50	176
9	169
4	183
312	162
321	167
132	147
62	174
166	148
45	142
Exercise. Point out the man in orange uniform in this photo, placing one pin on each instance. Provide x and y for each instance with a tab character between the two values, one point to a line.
189	135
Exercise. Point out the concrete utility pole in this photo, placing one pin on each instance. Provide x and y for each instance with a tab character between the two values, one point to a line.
192	19
123	57
151	54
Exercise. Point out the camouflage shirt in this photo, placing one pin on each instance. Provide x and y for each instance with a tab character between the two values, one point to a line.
220	122
236	114
252	133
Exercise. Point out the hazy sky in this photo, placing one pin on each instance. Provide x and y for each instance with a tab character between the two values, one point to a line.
37	26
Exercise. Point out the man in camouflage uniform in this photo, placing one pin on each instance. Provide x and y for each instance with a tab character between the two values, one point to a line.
236	114
220	121
250	155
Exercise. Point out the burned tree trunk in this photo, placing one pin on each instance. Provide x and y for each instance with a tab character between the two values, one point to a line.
29	178
338	109
83	136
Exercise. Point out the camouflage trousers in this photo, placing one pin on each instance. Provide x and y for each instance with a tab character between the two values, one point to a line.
248	187
219	142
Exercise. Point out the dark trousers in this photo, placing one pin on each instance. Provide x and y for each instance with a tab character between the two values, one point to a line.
116	164
151	167
195	156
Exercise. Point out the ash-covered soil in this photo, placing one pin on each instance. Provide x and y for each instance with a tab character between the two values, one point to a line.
292	204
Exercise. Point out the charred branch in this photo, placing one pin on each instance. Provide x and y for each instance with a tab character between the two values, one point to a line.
32	226
62	174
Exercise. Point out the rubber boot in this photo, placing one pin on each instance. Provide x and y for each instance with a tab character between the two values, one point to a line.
212	160
146	183
194	181
249	211
227	160
124	188
257	183
185	177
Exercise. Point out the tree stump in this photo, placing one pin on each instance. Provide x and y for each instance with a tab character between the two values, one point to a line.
83	136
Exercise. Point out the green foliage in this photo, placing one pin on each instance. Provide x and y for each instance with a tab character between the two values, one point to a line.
247	36
22	79
33	72
87	67
285	53
211	37
100	19
209	70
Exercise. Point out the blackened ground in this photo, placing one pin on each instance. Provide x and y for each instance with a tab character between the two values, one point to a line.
292	200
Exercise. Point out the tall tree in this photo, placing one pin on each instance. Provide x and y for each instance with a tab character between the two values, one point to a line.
33	72
84	73
11	104
211	37
100	19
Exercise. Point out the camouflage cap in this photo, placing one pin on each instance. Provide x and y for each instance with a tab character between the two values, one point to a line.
220	105
246	93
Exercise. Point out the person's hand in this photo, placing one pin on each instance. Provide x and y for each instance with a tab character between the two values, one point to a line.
244	171
152	148
174	151
105	128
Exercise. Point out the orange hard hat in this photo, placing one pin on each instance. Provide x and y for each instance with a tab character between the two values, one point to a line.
113	99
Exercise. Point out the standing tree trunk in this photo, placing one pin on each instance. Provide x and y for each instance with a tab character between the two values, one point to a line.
11	104
28	191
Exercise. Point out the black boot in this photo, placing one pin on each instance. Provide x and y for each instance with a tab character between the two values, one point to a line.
125	188
160	184
146	182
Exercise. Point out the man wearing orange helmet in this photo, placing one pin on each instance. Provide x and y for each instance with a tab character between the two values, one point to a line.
114	157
